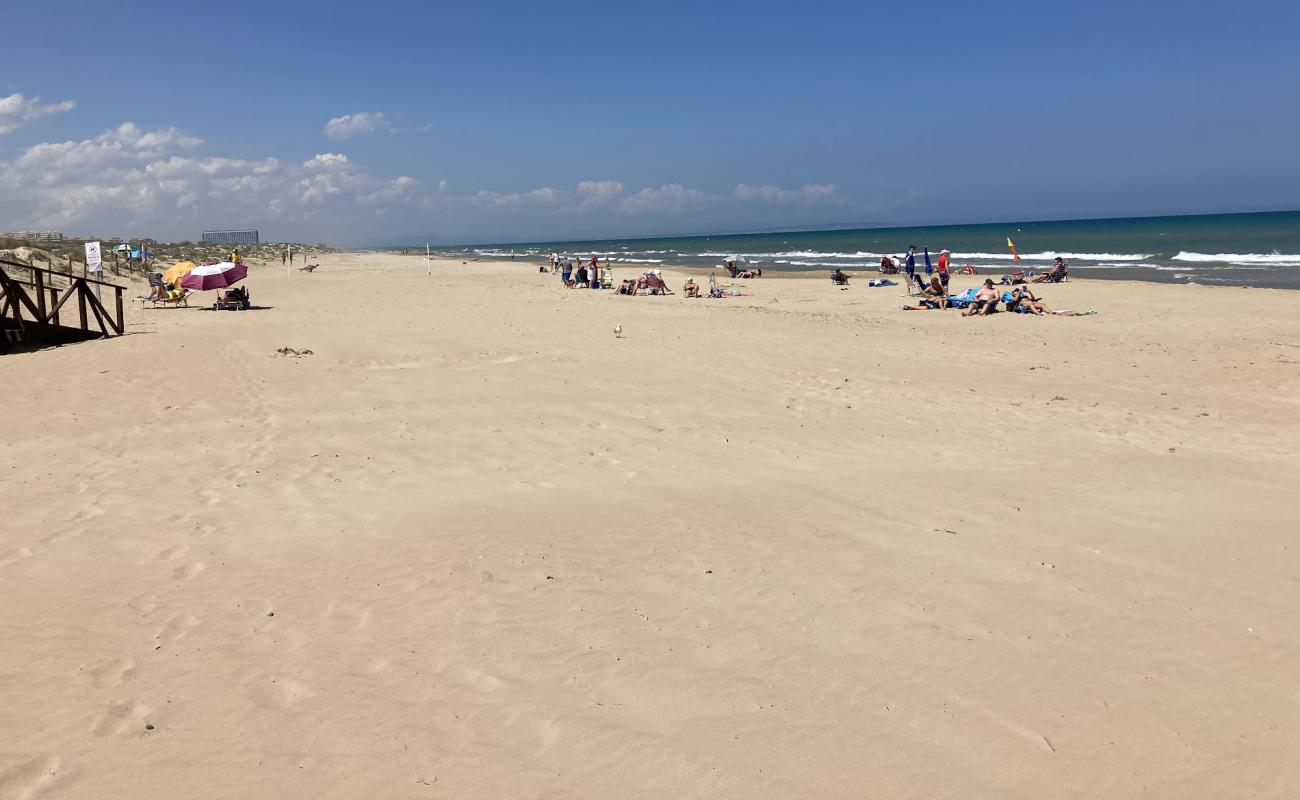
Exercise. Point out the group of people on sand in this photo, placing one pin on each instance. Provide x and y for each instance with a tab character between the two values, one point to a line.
652	282
587	276
890	266
980	302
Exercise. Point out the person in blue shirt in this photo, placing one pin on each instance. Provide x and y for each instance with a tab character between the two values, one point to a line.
909	266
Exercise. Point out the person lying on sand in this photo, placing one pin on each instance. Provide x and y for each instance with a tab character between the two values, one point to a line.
1026	302
690	288
986	301
936	291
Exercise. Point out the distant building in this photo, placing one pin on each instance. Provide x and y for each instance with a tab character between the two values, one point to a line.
37	236
231	237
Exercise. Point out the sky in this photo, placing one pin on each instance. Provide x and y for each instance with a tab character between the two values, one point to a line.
387	123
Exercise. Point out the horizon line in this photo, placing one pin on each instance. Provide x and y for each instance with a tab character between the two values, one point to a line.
825	227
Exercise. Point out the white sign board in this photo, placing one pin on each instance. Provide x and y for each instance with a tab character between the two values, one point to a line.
93	262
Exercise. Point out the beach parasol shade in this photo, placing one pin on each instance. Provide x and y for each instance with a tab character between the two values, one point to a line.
735	260
214	276
175	272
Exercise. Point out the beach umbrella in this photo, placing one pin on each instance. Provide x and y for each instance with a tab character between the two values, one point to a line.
214	276
735	260
175	272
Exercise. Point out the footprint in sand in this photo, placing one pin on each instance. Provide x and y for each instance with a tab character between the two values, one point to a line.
173	553
121	719
28	779
111	673
510	359
14	556
274	691
392	365
175	629
187	571
347	616
144	603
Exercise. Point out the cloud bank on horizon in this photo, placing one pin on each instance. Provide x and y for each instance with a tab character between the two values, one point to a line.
133	182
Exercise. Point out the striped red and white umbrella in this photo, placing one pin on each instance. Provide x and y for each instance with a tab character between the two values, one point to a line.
214	276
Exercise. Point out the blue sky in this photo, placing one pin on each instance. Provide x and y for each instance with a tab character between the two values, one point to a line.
500	121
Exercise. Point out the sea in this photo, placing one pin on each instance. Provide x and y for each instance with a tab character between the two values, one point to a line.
1259	249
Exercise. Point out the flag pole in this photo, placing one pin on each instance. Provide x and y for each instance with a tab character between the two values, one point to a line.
428	265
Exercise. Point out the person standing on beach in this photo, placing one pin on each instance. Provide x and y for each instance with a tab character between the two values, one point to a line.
284	258
909	266
594	272
943	268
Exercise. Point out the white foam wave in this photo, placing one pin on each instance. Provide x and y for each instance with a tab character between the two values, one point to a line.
1263	259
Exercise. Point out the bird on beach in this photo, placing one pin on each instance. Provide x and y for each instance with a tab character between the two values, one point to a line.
618	330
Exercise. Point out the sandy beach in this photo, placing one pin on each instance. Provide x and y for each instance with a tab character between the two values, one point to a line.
793	544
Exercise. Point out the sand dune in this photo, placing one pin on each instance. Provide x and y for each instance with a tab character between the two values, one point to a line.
793	544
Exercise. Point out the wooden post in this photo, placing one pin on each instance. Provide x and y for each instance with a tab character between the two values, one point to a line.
121	320
54	301
40	293
80	289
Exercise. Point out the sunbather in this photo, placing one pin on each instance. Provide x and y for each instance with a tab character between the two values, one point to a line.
936	291
1026	302
655	284
690	288
985	302
839	277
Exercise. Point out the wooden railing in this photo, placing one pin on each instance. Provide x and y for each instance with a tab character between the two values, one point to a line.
45	302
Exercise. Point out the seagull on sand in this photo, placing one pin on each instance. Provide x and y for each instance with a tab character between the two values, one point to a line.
618	330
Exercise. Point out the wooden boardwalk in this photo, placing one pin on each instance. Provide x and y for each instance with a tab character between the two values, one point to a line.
41	311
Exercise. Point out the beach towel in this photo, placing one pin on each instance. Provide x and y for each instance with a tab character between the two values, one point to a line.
1065	312
962	299
881	282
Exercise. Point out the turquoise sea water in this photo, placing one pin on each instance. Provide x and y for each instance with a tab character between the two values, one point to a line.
1230	249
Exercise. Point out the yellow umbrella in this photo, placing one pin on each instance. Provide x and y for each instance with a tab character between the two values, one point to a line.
175	272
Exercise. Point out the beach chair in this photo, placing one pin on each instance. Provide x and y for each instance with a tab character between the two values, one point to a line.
177	297
232	300
839	278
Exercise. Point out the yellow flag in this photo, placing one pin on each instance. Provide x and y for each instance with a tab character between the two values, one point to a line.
1014	255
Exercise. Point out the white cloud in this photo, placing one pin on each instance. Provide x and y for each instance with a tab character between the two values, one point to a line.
17	110
672	198
127	181
349	125
594	194
808	193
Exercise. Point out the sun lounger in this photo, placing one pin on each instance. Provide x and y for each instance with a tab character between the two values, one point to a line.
175	296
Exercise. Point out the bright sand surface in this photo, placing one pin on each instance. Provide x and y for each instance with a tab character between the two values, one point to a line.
794	544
